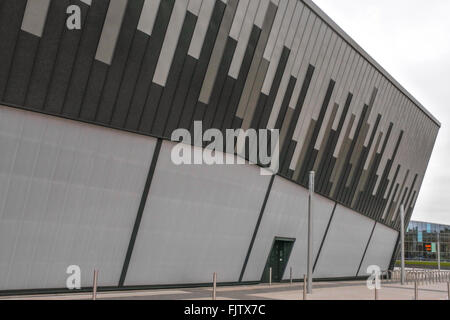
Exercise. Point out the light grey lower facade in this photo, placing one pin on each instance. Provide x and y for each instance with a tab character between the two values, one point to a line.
74	190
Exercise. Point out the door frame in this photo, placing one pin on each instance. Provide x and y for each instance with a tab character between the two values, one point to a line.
284	239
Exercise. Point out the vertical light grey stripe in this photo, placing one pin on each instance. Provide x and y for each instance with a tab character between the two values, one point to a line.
239	19
201	28
274	33
194	6
254	68
244	37
218	50
170	42
35	16
279	46
148	16
111	29
261	14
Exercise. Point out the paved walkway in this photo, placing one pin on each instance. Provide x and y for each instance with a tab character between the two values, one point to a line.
355	290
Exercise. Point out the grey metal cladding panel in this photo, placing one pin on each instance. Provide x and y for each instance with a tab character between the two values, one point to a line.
380	249
148	16
216	55
69	193
204	18
170	42
344	245
254	74
197	220
111	29
286	216
34	17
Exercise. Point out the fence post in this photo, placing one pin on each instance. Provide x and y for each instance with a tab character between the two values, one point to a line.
416	291
448	290
291	274
214	286
270	276
94	286
304	288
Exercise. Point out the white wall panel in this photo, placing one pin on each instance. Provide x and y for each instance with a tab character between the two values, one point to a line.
344	246
286	216
198	220
380	250
69	196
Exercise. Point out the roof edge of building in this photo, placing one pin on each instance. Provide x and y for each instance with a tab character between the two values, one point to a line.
333	25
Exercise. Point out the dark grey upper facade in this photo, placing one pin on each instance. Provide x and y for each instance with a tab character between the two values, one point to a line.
232	64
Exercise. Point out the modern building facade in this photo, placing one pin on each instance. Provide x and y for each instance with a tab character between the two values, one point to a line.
86	118
422	240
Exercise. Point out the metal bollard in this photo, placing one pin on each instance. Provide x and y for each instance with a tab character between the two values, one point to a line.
291	275
305	297
94	286
416	291
270	276
448	290
376	293
214	286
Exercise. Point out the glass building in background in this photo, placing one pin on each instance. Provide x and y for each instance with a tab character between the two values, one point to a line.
421	241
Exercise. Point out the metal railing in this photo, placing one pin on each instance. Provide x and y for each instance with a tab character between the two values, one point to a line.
418	278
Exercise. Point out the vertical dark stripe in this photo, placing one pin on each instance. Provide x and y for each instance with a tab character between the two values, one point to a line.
370	185
230	115
189	106
268	105
121	55
46	56
164	109
21	68
327	166
129	79
180	95
365	251
311	153
85	58
148	67
11	18
219	84
258	223
285	104
324	237
64	64
223	102
94	89
293	123
385	176
361	162
346	168
140	212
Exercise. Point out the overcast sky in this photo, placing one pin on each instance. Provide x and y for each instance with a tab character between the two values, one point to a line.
411	40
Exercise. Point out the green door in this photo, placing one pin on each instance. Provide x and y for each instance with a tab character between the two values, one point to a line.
278	259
